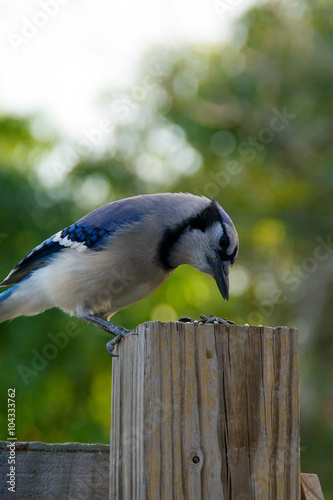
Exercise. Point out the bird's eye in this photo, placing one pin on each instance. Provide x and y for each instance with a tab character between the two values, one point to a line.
224	241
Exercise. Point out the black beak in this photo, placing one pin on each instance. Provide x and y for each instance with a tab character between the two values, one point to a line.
221	276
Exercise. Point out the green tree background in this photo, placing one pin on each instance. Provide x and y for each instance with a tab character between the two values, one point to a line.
248	123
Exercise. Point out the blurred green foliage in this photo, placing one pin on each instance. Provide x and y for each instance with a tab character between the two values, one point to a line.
248	123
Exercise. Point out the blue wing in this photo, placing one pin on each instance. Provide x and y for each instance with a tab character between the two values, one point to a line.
91	232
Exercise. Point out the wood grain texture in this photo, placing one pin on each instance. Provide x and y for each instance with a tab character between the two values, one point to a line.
311	489
205	412
68	471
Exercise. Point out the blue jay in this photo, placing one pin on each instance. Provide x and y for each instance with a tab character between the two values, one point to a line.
119	254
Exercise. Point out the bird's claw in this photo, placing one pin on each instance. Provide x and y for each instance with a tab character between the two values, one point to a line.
204	319
112	343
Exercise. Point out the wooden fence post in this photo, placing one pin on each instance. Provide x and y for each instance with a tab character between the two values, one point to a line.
66	471
205	412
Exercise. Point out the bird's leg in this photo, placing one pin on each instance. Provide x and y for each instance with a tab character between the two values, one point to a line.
107	326
118	331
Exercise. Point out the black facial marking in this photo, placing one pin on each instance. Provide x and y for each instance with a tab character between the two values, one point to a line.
202	221
206	218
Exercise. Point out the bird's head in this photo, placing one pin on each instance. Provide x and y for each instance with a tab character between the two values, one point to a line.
217	251
209	242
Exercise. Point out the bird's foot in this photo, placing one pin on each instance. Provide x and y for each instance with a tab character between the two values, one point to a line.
211	320
118	331
112	343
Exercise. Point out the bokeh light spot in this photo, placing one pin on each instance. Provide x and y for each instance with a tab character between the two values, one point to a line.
223	143
163	312
269	232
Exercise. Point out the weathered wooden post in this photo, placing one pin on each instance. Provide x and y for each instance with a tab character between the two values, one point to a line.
205	412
